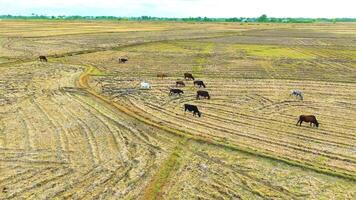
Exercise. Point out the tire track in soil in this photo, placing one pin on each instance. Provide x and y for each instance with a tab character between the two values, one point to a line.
323	133
87	191
60	141
29	144
39	183
136	133
154	107
102	122
246	175
151	163
62	127
23	177
17	175
264	139
114	138
272	120
92	113
88	136
109	185
82	180
218	128
48	185
265	120
78	180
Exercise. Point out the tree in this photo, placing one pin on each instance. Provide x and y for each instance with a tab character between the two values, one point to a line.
262	18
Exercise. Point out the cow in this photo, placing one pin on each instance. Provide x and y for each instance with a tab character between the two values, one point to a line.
297	93
188	76
145	85
202	93
161	75
192	108
308	118
180	83
43	58
123	60
176	91
199	83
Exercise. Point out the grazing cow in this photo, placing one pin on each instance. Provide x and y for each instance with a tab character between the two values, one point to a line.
204	94
199	83
145	85
123	60
176	91
297	93
192	108
188	76
180	83
43	58
161	75
308	118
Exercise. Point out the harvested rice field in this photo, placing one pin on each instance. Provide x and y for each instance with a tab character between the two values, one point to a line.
80	126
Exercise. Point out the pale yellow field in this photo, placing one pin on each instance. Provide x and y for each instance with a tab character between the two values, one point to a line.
79	126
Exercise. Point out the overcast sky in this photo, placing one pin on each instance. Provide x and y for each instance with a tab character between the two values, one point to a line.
183	8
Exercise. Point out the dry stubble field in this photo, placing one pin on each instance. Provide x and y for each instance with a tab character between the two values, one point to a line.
79	127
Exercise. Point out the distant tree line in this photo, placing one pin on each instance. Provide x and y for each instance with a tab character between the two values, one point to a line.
262	19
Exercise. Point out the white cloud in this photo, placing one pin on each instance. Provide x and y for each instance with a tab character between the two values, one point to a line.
183	8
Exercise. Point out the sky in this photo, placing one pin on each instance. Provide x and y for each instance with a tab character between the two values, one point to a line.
183	8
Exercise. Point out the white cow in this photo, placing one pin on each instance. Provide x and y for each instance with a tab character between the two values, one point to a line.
144	85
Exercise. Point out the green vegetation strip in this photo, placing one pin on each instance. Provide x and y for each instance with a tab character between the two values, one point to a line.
154	188
83	82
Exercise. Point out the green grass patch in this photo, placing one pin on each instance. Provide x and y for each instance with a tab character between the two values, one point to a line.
2	60
342	53
163	47
350	53
197	69
195	46
153	191
270	51
201	60
96	72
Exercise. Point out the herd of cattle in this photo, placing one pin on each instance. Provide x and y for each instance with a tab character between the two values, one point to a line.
201	93
204	94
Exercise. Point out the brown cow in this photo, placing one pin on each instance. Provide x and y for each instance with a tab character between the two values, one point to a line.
204	94
188	76
308	118
180	83
42	58
161	75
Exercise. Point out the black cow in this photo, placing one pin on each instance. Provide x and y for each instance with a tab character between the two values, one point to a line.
123	60
176	91
43	58
199	83
204	94
188	76
192	108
